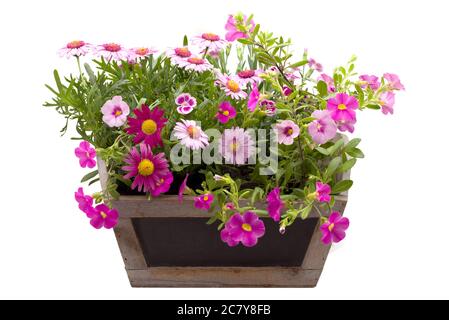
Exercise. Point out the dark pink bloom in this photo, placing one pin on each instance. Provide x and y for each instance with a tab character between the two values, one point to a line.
230	206
329	81
85	202
342	109
387	100
245	229
286	91
334	228
371	81
204	201
323	192
225	112
163	185
238	28
394	81
275	204
86	154
323	128
147	126
253	99
182	187
102	216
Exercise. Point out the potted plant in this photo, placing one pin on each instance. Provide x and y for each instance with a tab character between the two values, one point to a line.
214	173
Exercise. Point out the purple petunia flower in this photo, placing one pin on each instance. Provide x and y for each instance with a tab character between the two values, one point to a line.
275	204
334	228
246	228
204	201
86	154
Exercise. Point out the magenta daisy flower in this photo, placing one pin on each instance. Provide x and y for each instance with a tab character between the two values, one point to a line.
191	135
287	131
196	64
231	86
246	228
103	216
275	204
334	228
210	41
236	146
75	48
342	109
179	55
186	103
204	201
113	51
147	126
85	202
149	171
86	155
115	112
250	76
225	112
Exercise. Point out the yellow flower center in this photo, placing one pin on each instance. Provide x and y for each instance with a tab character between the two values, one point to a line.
290	131
331	227
145	168
226	113
233	86
103	215
142	51
342	107
205	198
234	146
149	127
118	113
247	227
193	132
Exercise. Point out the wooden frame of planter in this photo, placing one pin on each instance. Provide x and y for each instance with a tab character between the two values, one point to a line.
167	244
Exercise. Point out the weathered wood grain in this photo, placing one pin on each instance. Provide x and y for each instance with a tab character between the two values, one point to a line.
129	245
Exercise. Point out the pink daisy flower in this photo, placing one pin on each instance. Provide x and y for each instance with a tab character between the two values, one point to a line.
231	86
85	202
113	51
196	64
182	188
225	112
323	192
387	100
328	80
269	107
371	81
323	128
191	135
204	201
103	216
334	228
186	103
287	131
253	99
115	112
238	27
75	48
246	228
250	76
86	155
148	170
236	146
275	204
210	41
142	52
342	109
147	126
179	55
393	81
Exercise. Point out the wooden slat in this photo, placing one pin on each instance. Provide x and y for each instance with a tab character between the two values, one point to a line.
129	245
223	277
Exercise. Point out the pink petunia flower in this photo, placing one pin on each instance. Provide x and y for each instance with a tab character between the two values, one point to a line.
394	81
191	135
103	216
86	155
225	112
163	185
286	90
179	55
328	80
287	131
253	99
250	76
147	125
115	112
246	228
275	204
204	201
238	27
334	228
315	65
387	100
342	109
371	81
186	103
268	106
75	48
148	170
231	86
323	128
236	146
113	51
85	202
210	41
196	64
323	192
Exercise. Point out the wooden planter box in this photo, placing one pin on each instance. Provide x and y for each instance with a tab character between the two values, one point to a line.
167	244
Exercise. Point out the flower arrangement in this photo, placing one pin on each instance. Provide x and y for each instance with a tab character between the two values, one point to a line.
189	121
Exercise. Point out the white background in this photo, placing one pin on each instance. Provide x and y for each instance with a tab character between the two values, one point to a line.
397	245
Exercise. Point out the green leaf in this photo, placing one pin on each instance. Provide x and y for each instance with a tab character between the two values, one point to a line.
298	64
347	165
256	30
342	186
322	151
245	41
332	167
352	144
356	153
93	181
373	106
212	220
337	145
305	212
89	176
322	88
185	41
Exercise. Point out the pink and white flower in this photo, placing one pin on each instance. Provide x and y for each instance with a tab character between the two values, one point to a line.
179	55
141	52
323	128
115	112
393	81
196	64
236	145
387	100
231	85
76	48
210	41
186	103
287	131
250	76
191	135
371	81
113	51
